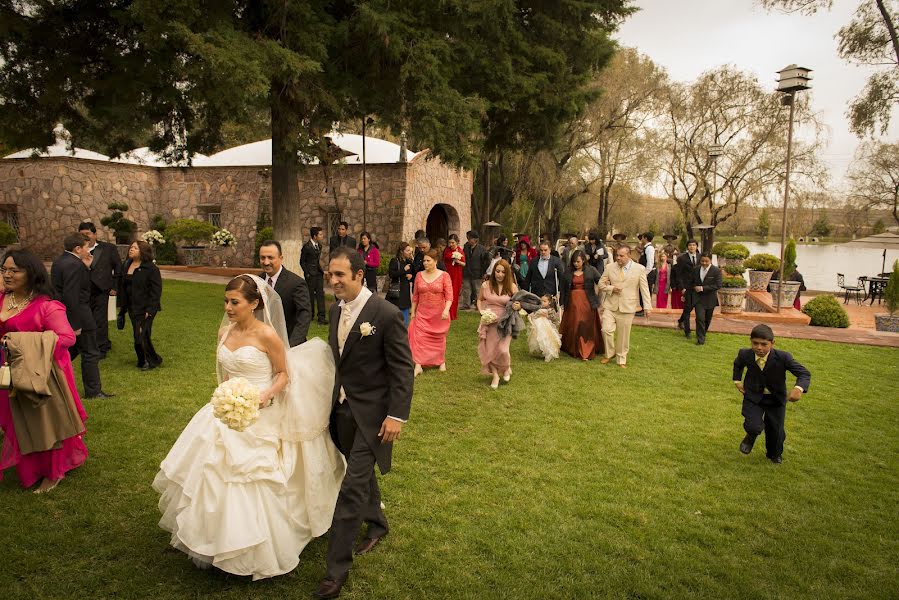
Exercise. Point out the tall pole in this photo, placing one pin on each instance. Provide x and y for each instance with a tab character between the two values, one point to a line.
364	191
486	192
783	225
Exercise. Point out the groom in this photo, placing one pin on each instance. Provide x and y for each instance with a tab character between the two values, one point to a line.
371	401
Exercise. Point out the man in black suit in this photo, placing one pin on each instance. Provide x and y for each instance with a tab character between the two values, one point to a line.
292	289
310	262
702	295
544	273
476	262
682	274
72	286
371	401
106	269
765	390
342	238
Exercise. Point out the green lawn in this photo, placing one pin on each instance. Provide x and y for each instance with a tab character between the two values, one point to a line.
573	481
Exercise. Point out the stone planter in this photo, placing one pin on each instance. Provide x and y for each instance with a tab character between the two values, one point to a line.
758	280
887	322
193	256
731	300
729	262
791	290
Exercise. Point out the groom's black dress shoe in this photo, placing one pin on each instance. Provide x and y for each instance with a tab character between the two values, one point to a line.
747	444
329	588
367	545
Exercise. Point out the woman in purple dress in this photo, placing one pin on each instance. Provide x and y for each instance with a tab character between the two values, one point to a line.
27	307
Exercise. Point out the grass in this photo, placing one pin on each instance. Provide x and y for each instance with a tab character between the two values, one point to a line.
573	481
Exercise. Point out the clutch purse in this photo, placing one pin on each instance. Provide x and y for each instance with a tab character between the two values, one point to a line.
5	374
120	320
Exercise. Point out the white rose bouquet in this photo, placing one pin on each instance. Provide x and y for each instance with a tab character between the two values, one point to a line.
488	317
236	403
457	255
153	237
223	237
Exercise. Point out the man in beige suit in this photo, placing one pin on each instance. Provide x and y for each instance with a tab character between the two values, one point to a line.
621	283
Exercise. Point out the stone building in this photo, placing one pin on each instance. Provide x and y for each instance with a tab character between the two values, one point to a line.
45	196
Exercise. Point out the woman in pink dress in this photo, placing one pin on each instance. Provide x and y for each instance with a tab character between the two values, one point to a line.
429	317
493	349
454	267
664	283
27	306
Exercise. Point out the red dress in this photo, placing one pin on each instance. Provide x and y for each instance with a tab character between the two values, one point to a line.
42	314
455	273
427	331
662	295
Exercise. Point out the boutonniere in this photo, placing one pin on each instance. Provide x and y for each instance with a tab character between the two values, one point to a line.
367	329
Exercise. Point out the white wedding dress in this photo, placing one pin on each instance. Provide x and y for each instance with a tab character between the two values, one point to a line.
248	502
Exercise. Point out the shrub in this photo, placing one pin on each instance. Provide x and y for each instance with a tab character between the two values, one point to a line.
718	248
189	231
383	268
262	234
7	234
762	262
734	270
733	281
166	252
122	228
735	252
826	311
790	258
891	294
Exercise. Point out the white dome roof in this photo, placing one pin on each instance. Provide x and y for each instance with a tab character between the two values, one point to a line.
60	148
143	156
377	151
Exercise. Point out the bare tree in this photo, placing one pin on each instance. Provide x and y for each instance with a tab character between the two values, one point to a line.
874	176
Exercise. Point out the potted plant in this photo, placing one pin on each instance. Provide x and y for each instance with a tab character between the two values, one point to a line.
730	254
383	270
890	321
732	291
223	239
790	258
123	229
190	232
761	268
8	236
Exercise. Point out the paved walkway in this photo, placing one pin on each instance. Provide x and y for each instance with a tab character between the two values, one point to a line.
861	332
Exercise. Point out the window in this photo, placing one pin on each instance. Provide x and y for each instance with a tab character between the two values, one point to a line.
12	218
333	220
215	218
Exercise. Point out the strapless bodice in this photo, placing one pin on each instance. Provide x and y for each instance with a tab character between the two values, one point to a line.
248	362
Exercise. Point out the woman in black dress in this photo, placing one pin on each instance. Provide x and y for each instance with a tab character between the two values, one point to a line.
400	272
140	294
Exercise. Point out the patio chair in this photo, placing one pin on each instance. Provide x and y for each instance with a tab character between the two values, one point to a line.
850	289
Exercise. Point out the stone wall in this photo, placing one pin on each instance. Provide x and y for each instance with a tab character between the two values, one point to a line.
52	195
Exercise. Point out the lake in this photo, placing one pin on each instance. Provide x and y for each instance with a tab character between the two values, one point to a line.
820	263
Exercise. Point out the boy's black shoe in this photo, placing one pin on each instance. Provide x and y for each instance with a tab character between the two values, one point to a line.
776	460
747	444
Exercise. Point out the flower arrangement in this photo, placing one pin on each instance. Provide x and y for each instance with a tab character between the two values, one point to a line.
153	237
236	403
457	255
223	238
488	317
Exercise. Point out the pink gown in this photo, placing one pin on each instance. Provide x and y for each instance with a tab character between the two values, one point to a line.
662	296
427	331
493	350
42	314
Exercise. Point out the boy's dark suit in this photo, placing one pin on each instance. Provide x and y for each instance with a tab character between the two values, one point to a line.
106	269
703	302
376	373
72	286
765	396
310	262
539	285
295	301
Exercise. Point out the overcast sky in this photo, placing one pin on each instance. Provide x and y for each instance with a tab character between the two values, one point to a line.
688	37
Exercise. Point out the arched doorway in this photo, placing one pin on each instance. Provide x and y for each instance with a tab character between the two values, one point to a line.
437	225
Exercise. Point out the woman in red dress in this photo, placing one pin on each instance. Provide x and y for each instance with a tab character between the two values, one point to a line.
581	328
664	283
429	319
27	306
454	262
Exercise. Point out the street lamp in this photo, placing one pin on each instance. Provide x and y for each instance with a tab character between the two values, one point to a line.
792	79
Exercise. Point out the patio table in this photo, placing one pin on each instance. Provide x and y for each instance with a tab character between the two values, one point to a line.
876	286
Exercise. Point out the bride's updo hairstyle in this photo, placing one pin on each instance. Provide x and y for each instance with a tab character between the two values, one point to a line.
247	288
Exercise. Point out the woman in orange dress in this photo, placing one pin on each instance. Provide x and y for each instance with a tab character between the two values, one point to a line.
581	328
454	262
429	319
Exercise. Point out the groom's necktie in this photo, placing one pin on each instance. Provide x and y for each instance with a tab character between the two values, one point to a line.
343	328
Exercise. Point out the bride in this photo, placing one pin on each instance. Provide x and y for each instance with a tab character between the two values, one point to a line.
248	502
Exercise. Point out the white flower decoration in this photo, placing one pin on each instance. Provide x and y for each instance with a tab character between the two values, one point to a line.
367	329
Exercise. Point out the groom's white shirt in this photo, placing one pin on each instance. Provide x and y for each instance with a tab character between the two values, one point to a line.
355	307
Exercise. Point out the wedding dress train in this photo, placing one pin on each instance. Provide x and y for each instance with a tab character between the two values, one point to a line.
248	502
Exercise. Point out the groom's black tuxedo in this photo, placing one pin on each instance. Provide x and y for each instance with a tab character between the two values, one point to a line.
376	374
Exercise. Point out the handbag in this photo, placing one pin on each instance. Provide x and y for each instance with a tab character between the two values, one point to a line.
5	373
120	320
393	290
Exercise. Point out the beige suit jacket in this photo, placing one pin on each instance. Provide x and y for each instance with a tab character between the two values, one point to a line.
632	283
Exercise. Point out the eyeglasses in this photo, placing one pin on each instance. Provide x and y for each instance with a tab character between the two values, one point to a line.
4	271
